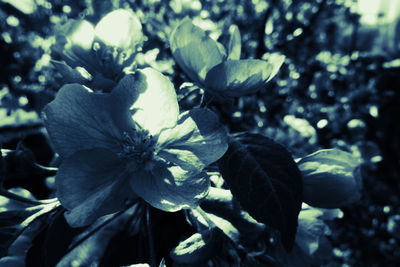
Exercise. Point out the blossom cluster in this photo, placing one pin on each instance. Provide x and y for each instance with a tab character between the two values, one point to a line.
130	142
121	134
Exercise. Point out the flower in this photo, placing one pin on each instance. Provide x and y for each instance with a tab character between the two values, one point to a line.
103	51
128	143
331	178
206	62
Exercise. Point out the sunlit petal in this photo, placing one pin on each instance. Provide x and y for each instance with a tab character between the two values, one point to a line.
156	107
79	33
119	28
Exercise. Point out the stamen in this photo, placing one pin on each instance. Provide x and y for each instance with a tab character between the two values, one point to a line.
138	145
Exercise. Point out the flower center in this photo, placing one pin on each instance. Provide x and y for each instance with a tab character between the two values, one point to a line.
138	145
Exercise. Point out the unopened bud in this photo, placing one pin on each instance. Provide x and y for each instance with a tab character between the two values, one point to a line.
197	248
331	178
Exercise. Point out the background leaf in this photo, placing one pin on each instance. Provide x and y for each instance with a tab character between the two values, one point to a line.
264	178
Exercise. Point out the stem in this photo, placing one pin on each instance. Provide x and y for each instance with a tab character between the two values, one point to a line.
13	196
150	238
49	171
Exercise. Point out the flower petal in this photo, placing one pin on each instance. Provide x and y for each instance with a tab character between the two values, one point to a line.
156	107
235	43
239	77
79	119
92	183
197	141
170	189
194	50
79	34
120	28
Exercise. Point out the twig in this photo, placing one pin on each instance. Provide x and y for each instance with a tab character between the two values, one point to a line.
19	198
49	171
150	238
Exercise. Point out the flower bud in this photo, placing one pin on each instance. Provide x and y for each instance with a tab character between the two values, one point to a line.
121	29
197	248
331	178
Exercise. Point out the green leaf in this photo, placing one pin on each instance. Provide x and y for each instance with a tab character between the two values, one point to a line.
235	78
194	51
235	43
262	175
19	228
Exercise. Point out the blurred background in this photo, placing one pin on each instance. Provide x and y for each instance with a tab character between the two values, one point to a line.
339	87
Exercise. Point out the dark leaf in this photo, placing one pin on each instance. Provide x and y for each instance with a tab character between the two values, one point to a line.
264	178
16	239
10	224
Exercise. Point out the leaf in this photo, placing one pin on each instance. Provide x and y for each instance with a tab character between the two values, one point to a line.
10	225
16	239
235	43
235	78
264	178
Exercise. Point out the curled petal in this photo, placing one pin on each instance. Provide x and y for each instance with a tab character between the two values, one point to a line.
92	183
197	141
235	43
170	189
239	77
194	50
331	178
79	119
156	106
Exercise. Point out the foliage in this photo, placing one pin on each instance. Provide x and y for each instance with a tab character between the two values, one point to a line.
285	78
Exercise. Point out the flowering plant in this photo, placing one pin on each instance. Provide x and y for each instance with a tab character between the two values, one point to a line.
134	163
